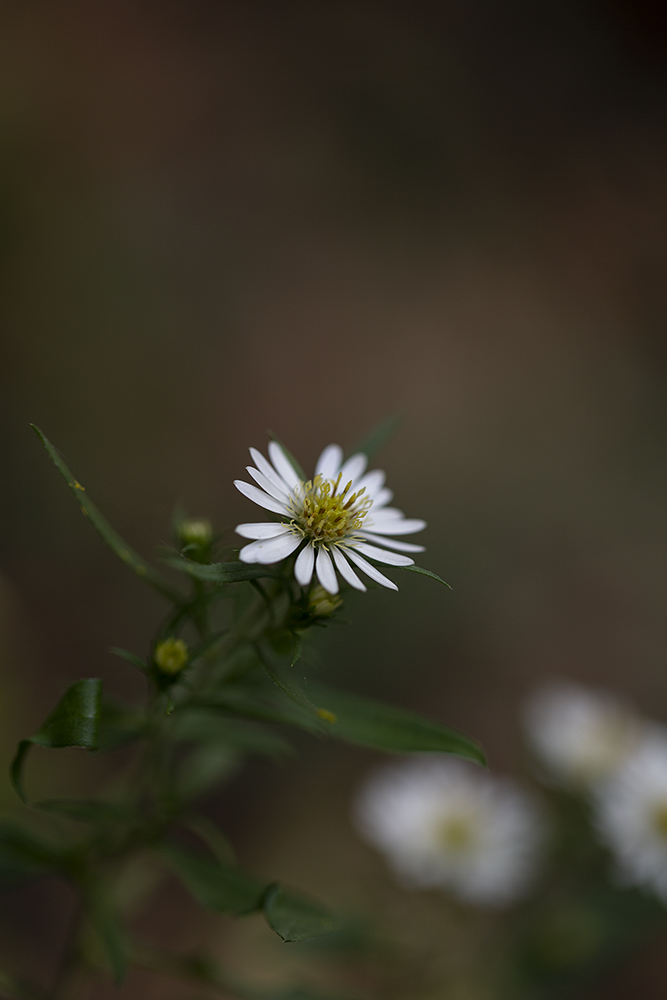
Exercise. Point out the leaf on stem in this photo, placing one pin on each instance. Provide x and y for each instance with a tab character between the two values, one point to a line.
109	535
426	572
73	723
295	917
285	682
223	888
385	727
231	572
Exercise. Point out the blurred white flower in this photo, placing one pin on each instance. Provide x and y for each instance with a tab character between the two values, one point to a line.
341	515
443	823
581	736
631	815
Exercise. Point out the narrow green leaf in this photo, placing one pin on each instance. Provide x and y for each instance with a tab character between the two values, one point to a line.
282	679
129	657
426	572
106	921
376	439
289	456
200	725
236	701
86	810
386	727
73	723
225	889
109	535
232	572
294	917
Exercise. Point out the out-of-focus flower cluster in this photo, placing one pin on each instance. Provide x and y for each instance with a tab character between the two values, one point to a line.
443	823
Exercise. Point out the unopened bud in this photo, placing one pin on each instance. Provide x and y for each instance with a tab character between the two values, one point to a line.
196	531
321	603
171	655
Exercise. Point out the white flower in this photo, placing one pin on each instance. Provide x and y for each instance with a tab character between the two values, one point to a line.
337	518
443	823
582	736
632	815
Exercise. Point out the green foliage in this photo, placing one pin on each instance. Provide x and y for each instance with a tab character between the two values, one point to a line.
384	727
109	535
220	677
294	917
378	437
73	723
426	572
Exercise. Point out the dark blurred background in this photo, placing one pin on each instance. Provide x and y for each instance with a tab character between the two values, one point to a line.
223	217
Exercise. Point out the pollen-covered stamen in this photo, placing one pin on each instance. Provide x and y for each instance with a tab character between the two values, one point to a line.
321	514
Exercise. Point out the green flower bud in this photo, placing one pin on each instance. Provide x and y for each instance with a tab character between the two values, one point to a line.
196	531
171	655
321	603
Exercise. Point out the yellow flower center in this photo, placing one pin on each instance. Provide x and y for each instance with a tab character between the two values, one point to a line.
323	514
455	833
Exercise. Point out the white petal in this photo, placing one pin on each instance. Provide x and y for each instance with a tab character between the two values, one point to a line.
258	496
380	555
395	525
329	461
270	550
260	529
326	574
345	570
391	543
372	481
283	464
384	497
277	492
369	570
265	466
303	567
352	469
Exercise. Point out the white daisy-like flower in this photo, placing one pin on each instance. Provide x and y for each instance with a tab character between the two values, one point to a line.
338	519
631	815
442	823
582	736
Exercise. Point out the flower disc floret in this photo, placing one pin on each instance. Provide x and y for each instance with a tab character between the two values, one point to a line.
333	523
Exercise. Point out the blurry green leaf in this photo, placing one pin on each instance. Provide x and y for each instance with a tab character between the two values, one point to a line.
73	723
200	725
23	855
294	917
289	456
108	534
214	838
376	439
86	810
426	572
386	727
118	726
232	572
282	679
225	889
204	766
237	700
109	928
129	657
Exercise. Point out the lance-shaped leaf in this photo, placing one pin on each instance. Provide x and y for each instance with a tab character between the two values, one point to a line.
223	888
295	917
231	572
106	922
426	572
108	534
73	723
386	727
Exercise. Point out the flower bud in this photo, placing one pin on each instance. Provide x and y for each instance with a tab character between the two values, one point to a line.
321	603
196	531
171	655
